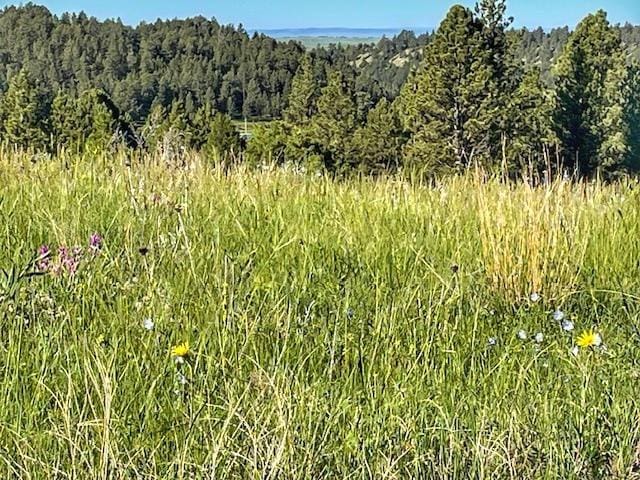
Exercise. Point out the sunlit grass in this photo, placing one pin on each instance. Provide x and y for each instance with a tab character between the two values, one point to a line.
334	329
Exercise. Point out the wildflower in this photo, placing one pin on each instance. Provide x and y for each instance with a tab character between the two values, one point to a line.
148	324
68	260
589	339
558	315
493	341
539	338
182	380
575	351
535	297
522	335
180	352
44	259
95	243
568	326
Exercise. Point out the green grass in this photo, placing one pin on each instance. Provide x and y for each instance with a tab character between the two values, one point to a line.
330	336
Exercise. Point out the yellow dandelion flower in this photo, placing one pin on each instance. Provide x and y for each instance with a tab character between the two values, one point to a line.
181	350
589	339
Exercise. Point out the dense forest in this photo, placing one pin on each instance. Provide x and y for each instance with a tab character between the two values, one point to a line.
519	96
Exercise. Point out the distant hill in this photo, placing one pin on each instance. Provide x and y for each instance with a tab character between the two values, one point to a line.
338	32
322	37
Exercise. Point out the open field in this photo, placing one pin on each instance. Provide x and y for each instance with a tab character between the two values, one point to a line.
322	41
357	329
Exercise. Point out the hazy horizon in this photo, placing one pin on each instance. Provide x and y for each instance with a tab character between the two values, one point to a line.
374	15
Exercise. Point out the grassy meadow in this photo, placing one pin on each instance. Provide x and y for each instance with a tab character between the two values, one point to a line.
336	329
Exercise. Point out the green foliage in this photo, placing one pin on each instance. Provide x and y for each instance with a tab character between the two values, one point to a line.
87	123
378	143
268	143
223	141
332	127
447	106
593	99
530	131
303	96
22	119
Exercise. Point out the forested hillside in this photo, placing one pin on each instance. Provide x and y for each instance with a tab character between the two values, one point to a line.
198	61
474	92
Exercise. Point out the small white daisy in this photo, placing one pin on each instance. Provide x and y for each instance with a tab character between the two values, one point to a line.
493	341
539	337
535	297
522	335
558	315
148	324
575	351
182	380
568	326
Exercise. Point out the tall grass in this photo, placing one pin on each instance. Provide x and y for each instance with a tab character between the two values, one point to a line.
338	329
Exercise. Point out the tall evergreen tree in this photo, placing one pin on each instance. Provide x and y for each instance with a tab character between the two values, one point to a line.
303	95
593	100
448	106
334	124
530	133
22	114
223	142
378	144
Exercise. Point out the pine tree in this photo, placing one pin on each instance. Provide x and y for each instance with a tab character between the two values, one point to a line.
379	142
223	142
22	113
592	99
303	95
448	107
202	122
334	124
99	121
530	134
65	127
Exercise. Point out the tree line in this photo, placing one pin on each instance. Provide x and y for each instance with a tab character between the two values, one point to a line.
473	92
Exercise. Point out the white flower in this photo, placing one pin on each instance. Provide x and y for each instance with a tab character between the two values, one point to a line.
182	380
558	315
522	335
493	341
179	360
598	340
148	324
539	337
535	297
568	326
575	351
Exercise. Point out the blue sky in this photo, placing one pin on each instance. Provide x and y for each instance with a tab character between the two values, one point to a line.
266	14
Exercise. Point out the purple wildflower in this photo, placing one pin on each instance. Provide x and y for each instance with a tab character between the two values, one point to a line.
68	260
44	261
95	243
